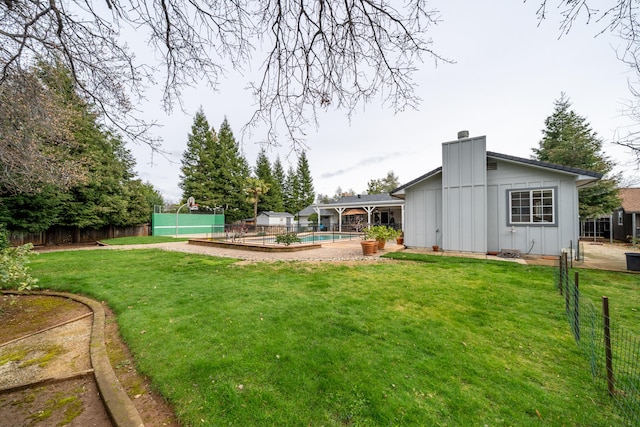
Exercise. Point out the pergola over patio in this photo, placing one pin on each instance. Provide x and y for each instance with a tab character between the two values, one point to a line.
379	209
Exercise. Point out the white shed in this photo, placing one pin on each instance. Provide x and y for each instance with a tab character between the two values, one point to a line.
270	218
481	201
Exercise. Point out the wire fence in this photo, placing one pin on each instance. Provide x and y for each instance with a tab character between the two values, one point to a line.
279	235
613	352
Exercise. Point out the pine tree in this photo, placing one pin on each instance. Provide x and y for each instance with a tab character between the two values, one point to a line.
306	193
569	140
231	171
291	192
279	178
272	200
198	162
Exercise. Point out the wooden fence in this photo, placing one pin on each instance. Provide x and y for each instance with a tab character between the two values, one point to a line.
74	235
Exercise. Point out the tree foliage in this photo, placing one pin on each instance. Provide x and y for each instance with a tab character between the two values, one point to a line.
254	189
214	171
306	193
230	175
569	140
36	133
383	185
622	19
106	194
199	162
272	200
298	186
279	178
316	53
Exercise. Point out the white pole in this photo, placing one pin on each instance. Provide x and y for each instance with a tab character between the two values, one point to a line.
177	212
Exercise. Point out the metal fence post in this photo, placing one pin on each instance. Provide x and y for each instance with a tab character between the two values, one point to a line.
566	284
607	346
560	275
576	307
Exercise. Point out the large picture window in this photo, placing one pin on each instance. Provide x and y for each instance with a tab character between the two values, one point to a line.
536	206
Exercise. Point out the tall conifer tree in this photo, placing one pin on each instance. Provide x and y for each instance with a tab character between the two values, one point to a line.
231	172
272	200
292	192
198	163
306	194
280	177
569	140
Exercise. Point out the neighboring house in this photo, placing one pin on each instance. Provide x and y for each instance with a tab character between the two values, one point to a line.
270	218
481	201
627	217
352	213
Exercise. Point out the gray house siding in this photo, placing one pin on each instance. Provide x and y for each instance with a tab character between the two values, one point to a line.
423	214
538	239
464	195
465	205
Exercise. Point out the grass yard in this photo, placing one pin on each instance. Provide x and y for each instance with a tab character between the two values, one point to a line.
143	240
446	341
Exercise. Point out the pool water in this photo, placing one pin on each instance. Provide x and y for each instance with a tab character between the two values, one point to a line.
310	238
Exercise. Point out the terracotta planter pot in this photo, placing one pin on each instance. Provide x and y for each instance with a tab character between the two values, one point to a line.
400	240
381	243
435	248
368	247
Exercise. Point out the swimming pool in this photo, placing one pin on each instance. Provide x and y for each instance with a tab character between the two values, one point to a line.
318	237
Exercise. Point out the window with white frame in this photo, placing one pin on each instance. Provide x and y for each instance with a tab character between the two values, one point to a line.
534	206
620	218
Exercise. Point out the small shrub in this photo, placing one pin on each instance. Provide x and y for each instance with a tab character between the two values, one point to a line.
14	272
287	238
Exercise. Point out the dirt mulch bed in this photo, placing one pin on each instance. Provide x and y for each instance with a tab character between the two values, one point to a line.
65	402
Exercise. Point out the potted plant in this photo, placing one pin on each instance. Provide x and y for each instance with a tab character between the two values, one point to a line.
381	233
435	248
400	238
369	247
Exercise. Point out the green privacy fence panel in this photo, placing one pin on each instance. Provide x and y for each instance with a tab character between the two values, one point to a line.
167	224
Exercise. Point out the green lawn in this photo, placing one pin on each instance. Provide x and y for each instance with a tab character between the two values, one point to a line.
143	240
445	341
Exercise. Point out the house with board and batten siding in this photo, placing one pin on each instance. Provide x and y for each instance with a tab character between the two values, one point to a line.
485	202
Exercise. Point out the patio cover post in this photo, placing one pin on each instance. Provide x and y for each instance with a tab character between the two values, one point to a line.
369	209
340	210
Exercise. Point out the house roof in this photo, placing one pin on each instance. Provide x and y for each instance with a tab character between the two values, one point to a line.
546	165
311	210
362	200
630	199
273	214
399	191
583	176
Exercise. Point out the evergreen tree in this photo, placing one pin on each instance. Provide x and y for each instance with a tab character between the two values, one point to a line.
104	196
231	171
306	194
291	192
279	178
272	200
569	140
198	164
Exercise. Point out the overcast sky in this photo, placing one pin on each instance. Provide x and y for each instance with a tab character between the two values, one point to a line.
508	71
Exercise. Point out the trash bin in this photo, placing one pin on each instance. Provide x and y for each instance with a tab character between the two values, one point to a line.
633	261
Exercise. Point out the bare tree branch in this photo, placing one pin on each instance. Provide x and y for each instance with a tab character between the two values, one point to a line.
619	17
318	53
